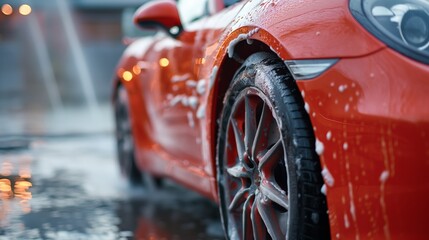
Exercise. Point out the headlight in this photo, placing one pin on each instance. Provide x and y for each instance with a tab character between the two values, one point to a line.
401	24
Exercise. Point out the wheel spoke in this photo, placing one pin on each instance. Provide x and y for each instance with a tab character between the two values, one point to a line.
259	205
274	193
262	131
271	156
238	139
238	171
270	220
249	124
247	224
238	199
259	232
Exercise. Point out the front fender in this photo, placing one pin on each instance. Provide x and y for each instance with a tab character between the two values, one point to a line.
132	57
291	29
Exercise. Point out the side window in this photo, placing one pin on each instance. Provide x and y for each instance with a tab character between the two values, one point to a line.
230	2
191	10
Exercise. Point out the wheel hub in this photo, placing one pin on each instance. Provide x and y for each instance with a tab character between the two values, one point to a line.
257	179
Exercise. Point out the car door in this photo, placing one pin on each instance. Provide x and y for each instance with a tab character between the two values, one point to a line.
183	83
178	128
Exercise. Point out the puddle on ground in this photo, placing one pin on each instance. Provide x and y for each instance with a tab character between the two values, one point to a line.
70	188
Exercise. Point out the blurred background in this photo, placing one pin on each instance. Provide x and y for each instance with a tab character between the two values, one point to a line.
57	59
58	173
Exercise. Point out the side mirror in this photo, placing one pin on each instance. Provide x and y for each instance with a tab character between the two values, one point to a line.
130	32
159	14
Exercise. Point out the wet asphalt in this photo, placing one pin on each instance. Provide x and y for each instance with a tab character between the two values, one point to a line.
69	187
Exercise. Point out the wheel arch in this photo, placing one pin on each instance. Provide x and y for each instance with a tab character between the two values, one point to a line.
115	86
138	115
261	41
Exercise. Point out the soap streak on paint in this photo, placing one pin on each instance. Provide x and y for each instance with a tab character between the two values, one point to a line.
175	100
329	135
346	221
353	210
342	88
213	77
239	38
180	78
352	203
307	107
319	147
389	168
201	86
192	101
186	101
191	83
191	121
327	176
323	190
384	176
201	112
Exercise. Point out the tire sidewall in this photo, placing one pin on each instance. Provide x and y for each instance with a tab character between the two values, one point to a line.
255	73
127	164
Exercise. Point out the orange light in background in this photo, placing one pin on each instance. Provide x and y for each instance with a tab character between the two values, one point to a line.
127	75
23	184
5	185
21	189
164	62
137	70
6	9
5	189
24	9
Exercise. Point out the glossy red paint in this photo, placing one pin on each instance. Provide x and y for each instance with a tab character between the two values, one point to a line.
369	110
373	122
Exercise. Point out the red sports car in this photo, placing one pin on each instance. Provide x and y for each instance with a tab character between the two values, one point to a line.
303	119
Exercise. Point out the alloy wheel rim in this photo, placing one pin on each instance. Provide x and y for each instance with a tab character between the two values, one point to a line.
256	191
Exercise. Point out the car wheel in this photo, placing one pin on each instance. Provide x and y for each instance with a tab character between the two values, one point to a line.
268	172
125	139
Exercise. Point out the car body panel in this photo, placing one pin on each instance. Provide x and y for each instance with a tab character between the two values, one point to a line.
373	121
373	111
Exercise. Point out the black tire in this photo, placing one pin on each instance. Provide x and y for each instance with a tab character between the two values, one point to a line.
278	172
125	139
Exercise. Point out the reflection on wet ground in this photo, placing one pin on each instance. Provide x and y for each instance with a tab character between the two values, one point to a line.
69	188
